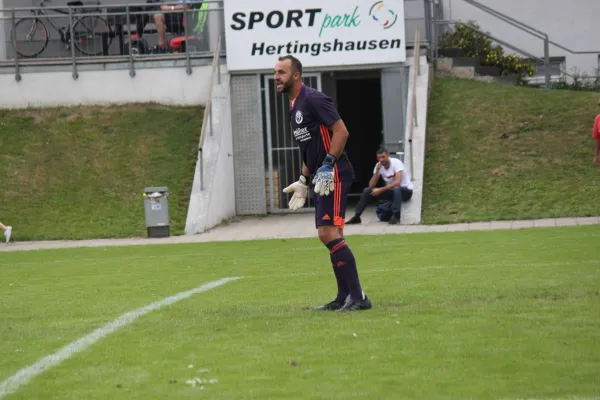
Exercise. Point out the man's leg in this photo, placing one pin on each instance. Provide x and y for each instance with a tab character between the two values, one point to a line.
161	27
343	290
396	204
406	194
330	211
365	199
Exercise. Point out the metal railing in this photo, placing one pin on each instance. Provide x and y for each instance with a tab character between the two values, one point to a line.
418	12
413	120
517	24
208	113
91	34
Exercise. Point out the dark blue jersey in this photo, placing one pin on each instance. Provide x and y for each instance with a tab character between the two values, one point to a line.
311	115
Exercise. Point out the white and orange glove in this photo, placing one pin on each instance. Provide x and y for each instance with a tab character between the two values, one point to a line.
300	192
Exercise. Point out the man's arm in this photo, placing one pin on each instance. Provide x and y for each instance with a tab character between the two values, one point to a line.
392	185
305	172
325	112
340	136
597	153
374	180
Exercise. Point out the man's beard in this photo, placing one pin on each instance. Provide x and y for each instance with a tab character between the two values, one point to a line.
287	86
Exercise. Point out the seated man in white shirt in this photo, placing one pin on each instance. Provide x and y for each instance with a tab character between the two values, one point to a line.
398	187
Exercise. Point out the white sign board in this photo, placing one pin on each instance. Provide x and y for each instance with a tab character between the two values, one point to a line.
319	32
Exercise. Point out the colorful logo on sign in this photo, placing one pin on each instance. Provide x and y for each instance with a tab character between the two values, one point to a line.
383	15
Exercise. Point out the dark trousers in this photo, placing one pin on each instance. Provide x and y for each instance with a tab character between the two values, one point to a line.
397	195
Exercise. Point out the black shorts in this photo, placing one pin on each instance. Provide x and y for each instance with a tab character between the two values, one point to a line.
331	210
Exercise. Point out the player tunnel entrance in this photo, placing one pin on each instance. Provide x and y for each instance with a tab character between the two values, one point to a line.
359	97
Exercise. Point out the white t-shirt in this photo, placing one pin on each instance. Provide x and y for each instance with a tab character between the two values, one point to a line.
389	174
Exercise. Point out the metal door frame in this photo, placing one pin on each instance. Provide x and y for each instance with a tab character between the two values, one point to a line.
267	97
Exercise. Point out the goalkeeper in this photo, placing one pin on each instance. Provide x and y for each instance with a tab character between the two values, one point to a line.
313	117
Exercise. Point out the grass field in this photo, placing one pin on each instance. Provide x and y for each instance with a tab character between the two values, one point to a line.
473	315
78	173
500	152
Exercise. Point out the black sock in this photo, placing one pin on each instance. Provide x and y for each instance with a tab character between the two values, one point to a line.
344	261
343	290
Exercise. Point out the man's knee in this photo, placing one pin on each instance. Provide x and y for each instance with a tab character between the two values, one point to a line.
159	19
368	191
328	233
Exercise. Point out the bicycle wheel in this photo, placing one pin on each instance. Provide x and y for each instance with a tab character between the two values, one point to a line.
88	32
30	37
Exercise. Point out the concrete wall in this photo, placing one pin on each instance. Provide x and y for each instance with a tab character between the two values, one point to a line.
571	23
411	210
3	32
167	85
216	202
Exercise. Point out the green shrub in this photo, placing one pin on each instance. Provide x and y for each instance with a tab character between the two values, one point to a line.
473	44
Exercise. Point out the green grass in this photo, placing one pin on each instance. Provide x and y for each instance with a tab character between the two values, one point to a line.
481	315
499	152
77	173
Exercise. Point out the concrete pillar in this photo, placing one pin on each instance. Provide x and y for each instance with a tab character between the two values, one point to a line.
3	32
215	25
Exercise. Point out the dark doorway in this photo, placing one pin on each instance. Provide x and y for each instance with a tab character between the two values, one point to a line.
359	105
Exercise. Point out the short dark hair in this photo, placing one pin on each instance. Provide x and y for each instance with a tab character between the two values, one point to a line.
296	64
382	150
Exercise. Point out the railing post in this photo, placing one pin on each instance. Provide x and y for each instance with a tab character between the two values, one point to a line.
412	164
72	38
415	106
188	66
131	67
418	49
428	30
218	55
211	116
201	171
547	62
14	40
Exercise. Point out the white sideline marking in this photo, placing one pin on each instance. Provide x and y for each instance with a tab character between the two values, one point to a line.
24	375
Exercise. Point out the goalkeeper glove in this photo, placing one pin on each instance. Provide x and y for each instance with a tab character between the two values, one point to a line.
300	190
324	176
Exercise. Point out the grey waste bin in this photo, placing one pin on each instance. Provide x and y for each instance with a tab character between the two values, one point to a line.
156	207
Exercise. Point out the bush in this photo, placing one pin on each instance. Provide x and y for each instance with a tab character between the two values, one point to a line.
464	38
585	82
473	44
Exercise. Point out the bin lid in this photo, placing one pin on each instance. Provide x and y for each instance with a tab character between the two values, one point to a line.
156	189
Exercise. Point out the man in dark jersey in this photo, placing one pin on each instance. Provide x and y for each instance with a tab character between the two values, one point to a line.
313	119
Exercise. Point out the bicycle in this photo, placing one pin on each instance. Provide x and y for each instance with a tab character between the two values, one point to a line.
85	31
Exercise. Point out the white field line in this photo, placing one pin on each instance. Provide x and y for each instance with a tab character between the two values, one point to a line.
24	375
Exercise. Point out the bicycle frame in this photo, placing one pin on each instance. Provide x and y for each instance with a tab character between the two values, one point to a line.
44	14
